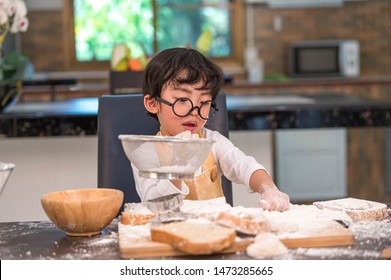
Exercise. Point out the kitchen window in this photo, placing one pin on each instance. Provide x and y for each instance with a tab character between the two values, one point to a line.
149	26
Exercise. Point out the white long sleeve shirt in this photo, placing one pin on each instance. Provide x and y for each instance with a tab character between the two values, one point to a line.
232	162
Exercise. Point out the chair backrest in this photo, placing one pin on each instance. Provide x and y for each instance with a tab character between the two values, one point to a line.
125	114
125	82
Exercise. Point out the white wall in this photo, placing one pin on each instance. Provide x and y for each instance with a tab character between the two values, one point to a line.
258	144
44	165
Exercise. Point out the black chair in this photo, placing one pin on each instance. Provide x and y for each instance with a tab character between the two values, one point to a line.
125	114
125	82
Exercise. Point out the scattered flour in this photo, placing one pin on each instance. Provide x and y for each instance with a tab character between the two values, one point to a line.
298	221
128	232
205	206
302	220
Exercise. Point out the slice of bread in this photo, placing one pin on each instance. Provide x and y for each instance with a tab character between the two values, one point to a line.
135	219
246	224
136	214
193	237
357	209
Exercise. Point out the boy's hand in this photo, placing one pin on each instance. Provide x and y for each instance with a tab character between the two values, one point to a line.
274	200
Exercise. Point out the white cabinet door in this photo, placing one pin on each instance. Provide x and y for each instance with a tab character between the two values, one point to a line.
311	163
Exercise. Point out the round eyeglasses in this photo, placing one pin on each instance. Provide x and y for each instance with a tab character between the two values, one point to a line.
183	107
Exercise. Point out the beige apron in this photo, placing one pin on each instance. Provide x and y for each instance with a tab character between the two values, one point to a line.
206	185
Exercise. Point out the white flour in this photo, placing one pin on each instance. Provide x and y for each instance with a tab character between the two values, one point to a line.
129	232
350	203
302	220
299	221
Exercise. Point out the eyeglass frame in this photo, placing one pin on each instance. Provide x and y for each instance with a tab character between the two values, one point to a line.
212	105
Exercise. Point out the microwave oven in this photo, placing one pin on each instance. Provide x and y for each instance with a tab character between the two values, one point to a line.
324	58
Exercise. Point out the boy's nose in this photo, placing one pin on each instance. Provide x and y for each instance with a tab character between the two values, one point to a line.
195	111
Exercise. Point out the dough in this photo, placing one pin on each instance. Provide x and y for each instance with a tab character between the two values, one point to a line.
265	245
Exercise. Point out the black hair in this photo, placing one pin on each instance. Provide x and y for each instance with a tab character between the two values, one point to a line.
181	66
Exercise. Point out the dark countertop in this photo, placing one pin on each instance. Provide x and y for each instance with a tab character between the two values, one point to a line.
306	111
43	240
79	116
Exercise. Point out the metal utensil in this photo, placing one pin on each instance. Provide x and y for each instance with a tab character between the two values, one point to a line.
171	217
168	208
164	204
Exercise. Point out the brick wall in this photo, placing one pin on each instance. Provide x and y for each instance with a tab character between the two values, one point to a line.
368	21
44	41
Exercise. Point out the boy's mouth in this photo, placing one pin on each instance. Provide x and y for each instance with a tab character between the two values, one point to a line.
190	125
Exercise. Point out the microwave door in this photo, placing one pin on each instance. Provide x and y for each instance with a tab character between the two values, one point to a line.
313	62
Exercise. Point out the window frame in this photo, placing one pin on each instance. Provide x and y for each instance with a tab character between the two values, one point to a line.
233	61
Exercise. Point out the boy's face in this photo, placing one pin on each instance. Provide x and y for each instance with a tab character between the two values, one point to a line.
170	123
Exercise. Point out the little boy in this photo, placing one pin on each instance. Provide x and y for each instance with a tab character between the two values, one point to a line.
179	88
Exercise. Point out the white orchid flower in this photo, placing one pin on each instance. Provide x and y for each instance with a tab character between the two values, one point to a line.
21	9
16	8
3	17
4	4
14	12
19	24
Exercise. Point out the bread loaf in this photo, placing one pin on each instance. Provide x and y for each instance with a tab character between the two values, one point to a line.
194	238
357	209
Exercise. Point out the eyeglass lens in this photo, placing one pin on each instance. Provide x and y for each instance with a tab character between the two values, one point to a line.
183	107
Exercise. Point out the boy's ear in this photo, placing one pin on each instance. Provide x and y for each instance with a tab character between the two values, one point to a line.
151	104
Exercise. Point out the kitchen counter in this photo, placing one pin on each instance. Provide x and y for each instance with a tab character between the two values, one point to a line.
44	241
79	116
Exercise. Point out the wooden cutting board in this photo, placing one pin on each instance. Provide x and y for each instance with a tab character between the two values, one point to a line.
144	248
327	234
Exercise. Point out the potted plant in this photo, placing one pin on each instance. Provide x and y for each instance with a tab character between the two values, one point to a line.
12	68
13	19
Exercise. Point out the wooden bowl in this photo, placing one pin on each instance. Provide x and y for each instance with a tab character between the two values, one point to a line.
82	212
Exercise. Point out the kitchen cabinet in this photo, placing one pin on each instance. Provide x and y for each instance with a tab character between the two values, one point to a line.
311	163
307	164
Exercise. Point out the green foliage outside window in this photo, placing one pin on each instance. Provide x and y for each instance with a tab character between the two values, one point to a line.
102	24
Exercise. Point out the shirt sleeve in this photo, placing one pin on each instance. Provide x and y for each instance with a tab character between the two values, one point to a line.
153	188
233	163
